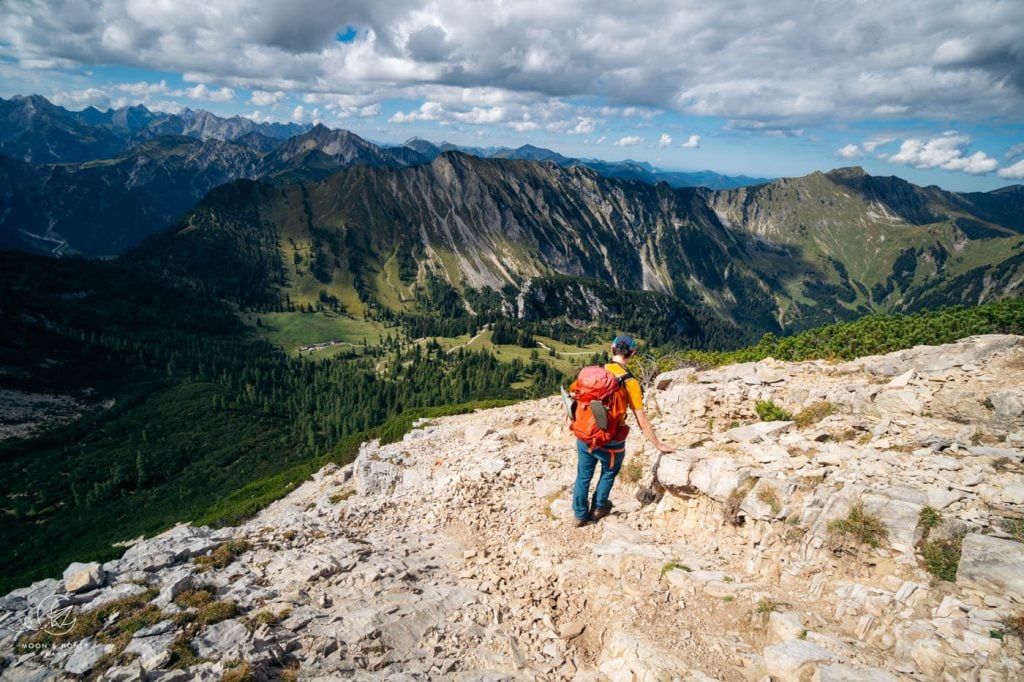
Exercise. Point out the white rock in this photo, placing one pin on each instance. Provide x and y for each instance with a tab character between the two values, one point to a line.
85	655
940	498
992	565
784	626
219	638
475	433
82	577
786	660
838	672
903	380
571	630
1013	494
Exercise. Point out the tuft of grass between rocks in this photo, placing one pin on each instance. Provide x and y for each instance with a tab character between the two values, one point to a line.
864	527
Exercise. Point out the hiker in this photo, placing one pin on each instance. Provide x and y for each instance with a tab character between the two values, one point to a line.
612	453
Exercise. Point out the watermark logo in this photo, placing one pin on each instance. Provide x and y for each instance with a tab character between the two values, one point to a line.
54	616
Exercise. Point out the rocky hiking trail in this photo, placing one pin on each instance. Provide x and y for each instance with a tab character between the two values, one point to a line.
451	555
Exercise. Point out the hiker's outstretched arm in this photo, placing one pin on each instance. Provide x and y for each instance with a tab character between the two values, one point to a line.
648	430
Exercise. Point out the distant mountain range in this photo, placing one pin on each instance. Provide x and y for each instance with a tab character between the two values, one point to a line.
97	182
260	216
538	241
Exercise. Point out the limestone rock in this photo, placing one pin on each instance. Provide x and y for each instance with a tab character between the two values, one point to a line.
82	577
761	431
992	565
219	638
838	672
794	658
85	655
785	626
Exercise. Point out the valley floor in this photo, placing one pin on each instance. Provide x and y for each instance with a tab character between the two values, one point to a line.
452	555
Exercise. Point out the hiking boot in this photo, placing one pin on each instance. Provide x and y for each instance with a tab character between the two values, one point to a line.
579	523
601	512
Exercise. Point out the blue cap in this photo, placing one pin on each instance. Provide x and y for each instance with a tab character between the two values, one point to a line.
624	343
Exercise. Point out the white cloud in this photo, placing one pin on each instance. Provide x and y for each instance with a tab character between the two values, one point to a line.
665	140
601	140
777	66
584	126
428	111
945	152
1014	151
629	141
692	142
144	88
261	98
876	142
1016	171
850	151
201	92
80	99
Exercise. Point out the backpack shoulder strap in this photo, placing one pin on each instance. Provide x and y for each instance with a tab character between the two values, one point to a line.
625	376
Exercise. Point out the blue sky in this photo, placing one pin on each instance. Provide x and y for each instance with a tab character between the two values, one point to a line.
932	91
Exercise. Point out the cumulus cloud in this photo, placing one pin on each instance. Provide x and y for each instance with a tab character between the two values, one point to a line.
665	140
261	98
80	99
850	151
692	142
765	66
628	141
584	126
945	152
1016	171
428	111
201	92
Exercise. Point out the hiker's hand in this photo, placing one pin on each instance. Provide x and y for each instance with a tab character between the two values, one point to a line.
665	448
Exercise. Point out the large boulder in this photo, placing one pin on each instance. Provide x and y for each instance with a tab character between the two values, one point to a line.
82	577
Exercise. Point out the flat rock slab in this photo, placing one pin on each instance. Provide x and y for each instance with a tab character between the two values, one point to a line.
992	565
219	638
784	661
85	655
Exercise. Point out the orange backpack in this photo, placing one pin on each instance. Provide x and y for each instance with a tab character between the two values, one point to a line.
596	387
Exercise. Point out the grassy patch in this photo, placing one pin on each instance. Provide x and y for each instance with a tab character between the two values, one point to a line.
633	472
114	623
1014	625
864	527
268	618
222	555
767	605
197	597
550	500
814	413
768	411
928	519
342	496
673	565
942	555
770	496
1015	527
731	510
239	673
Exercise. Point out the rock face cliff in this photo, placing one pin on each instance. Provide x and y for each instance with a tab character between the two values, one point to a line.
786	549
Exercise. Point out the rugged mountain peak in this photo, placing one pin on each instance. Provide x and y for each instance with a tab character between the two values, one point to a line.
748	564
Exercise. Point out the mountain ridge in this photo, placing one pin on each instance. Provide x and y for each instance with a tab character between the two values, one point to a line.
398	562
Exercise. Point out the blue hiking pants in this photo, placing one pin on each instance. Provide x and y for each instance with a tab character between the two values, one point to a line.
610	457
